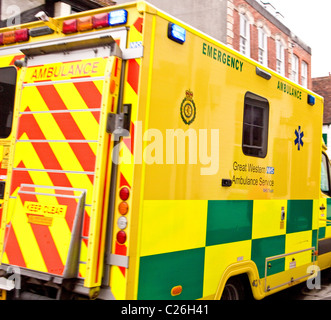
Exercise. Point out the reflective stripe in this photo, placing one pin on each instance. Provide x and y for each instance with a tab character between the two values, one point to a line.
55	171
47	83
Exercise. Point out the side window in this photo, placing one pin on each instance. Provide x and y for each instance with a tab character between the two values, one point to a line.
255	127
325	171
7	97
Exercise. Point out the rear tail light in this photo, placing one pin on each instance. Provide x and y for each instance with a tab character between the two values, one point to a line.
124	194
121	237
122	222
1	39
69	26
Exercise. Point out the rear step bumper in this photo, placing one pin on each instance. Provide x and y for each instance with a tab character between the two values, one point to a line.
22	280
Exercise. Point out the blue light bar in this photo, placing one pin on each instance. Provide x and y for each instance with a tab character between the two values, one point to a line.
311	100
118	17
176	33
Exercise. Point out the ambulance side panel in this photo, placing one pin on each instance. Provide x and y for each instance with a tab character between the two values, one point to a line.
206	206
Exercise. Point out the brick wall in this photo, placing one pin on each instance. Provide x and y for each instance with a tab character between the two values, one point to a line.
322	86
259	16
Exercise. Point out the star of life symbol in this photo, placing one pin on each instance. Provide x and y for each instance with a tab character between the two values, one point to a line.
298	141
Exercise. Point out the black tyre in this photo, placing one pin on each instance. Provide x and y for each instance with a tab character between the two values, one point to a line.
234	290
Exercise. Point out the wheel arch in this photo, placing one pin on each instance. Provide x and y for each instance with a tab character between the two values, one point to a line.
242	268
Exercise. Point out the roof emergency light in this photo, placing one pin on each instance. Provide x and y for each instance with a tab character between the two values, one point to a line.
69	26
118	17
100	20
311	100
22	35
84	24
9	37
176	33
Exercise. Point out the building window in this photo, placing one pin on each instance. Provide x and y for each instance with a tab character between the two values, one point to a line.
7	98
255	126
304	74
263	47
244	36
295	68
280	58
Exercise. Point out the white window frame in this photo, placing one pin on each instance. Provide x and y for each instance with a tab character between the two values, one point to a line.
244	42
280	58
263	47
304	74
295	68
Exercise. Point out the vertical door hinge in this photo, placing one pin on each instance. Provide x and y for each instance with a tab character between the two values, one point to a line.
120	123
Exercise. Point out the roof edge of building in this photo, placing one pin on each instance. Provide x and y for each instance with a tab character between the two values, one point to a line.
259	8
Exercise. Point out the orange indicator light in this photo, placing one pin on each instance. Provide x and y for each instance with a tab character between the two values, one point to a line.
123	208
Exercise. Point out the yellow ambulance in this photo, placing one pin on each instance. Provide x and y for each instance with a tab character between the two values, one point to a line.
146	160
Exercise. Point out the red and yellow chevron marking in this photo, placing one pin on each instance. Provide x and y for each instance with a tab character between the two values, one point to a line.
62	142
6	61
118	277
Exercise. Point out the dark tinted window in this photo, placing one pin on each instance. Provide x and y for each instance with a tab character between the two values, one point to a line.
255	127
7	97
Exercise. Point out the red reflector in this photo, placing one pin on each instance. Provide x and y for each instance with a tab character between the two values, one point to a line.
124	194
21	35
121	237
84	24
69	26
8	37
1	39
100	20
176	291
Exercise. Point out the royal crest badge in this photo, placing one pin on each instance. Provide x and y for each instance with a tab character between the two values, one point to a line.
187	109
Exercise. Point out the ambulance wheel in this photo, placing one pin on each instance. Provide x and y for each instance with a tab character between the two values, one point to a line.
234	290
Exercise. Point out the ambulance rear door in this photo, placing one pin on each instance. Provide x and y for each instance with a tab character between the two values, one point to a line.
60	165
